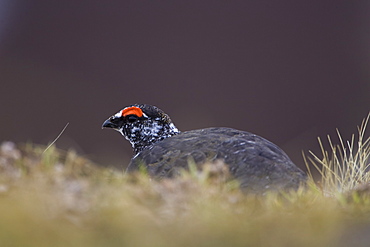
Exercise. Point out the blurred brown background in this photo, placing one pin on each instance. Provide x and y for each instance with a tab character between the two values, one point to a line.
287	70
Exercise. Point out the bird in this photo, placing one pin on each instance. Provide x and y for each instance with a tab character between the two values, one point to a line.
163	151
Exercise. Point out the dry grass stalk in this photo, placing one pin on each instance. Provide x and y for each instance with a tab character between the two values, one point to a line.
346	166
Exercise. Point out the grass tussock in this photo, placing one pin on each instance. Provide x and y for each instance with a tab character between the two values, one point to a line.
346	167
57	198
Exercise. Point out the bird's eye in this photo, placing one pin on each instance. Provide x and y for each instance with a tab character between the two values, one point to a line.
131	118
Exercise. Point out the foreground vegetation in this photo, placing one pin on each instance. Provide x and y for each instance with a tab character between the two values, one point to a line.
57	198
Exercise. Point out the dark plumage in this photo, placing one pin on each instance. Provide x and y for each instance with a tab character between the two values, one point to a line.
258	164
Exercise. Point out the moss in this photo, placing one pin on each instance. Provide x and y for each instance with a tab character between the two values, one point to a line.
58	198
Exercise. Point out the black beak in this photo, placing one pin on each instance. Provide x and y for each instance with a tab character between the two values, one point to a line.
109	124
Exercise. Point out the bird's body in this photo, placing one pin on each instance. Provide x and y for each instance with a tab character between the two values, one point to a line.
255	162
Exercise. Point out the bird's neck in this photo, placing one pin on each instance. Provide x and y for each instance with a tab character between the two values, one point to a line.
145	136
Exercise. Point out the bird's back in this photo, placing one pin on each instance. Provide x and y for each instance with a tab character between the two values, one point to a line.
258	164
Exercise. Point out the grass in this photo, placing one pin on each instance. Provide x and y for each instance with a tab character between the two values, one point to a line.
58	198
346	167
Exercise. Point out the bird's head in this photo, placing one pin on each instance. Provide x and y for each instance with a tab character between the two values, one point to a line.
142	125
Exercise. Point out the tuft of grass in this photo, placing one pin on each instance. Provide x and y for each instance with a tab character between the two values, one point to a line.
346	167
